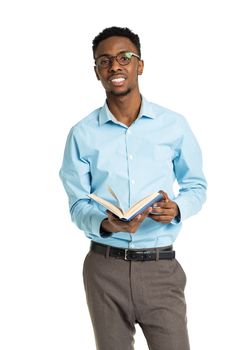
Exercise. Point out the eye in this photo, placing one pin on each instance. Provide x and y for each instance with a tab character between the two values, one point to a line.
125	57
103	61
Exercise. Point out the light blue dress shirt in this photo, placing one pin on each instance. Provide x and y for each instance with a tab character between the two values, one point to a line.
157	148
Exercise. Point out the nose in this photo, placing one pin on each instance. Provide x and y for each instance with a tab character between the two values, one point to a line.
114	65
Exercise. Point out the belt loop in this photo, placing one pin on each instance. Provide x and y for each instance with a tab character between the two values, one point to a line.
107	253
157	254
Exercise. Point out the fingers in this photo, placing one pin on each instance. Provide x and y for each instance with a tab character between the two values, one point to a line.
131	226
164	211
164	204
165	208
134	224
165	219
145	213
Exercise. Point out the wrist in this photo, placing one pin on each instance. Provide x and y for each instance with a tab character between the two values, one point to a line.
177	214
107	227
104	230
104	226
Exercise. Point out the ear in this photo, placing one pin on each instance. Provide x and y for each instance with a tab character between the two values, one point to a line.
96	72
140	67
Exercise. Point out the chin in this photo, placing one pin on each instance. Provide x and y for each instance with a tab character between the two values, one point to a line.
120	93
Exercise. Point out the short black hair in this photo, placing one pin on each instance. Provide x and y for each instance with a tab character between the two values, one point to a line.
116	31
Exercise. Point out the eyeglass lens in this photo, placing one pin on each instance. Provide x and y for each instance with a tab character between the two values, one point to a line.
122	58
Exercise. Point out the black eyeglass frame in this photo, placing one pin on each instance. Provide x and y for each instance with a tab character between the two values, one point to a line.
112	58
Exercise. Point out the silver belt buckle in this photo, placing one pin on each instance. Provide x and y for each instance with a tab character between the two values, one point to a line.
126	251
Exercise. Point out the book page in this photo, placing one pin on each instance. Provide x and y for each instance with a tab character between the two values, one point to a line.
115	210
137	206
117	199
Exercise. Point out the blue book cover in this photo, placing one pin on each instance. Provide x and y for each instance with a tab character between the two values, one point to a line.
158	198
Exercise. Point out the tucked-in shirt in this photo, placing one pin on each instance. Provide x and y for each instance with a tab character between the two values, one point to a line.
156	151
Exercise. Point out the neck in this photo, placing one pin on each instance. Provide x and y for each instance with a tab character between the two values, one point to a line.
125	108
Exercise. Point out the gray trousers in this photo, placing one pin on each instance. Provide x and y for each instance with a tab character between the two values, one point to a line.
121	293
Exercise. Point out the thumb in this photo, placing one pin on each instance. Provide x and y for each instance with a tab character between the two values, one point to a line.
165	195
146	212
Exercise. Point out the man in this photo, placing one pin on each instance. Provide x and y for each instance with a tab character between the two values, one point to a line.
136	147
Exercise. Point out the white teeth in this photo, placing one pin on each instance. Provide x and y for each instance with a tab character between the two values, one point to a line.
118	80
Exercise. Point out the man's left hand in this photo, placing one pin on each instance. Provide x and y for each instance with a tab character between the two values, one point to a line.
164	211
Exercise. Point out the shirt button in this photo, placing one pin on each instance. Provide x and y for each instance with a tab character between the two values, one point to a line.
131	156
129	131
133	182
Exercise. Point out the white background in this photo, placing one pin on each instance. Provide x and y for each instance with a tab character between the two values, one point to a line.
197	62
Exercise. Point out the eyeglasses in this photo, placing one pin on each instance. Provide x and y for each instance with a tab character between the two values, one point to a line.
123	58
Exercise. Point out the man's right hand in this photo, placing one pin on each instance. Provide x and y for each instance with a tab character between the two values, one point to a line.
112	224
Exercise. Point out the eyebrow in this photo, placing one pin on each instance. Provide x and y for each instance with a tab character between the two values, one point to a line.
107	55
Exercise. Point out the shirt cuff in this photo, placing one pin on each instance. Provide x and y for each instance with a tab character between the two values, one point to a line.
182	205
96	224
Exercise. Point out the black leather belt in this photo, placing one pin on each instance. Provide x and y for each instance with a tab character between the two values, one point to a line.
134	254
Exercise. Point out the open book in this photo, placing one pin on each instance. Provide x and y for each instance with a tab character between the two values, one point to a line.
133	211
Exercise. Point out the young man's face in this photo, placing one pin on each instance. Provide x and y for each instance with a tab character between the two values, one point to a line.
118	80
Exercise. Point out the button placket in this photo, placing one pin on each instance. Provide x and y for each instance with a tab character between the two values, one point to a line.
130	164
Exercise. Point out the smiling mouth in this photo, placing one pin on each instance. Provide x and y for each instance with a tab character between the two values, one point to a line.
117	81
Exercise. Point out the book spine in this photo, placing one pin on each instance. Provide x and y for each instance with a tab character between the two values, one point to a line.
149	204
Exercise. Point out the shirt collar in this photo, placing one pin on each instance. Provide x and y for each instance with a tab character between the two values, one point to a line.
146	110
